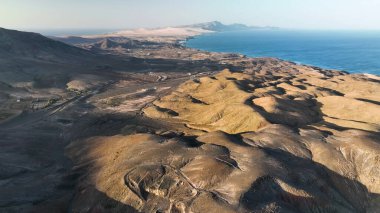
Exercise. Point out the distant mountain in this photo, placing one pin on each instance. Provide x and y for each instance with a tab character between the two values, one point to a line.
26	45
109	43
74	40
102	42
219	27
32	58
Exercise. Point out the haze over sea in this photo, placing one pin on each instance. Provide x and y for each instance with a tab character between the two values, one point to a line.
352	51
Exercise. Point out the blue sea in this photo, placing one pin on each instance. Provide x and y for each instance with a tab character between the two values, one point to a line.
352	51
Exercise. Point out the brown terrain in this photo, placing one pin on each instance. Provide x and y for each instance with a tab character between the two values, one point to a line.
143	124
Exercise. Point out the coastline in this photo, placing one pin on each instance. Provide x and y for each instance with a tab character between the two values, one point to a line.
202	131
186	44
183	43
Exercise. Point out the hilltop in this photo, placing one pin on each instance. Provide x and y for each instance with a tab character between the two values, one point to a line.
37	61
217	26
26	45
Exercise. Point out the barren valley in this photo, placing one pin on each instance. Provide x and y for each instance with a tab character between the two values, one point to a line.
134	121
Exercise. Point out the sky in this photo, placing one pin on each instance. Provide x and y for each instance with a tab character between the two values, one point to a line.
124	14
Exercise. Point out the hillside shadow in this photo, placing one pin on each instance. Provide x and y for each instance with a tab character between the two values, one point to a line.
95	202
348	195
98	202
306	186
330	125
308	112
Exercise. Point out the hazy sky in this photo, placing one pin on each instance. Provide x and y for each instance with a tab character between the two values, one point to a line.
118	14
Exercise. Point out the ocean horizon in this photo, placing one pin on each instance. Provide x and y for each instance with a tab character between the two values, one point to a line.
351	51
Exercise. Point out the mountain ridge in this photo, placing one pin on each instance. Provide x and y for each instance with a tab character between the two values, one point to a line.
218	26
14	43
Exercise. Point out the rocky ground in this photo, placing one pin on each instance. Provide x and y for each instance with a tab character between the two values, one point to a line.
297	139
182	130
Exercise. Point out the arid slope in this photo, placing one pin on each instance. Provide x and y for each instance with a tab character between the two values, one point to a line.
278	137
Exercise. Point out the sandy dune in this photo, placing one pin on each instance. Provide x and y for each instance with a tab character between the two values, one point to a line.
167	34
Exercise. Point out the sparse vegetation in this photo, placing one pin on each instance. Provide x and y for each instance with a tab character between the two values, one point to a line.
8	113
5	115
51	102
114	102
